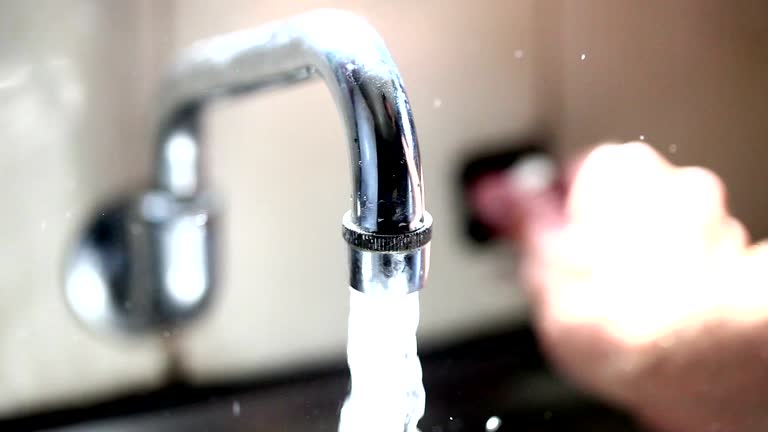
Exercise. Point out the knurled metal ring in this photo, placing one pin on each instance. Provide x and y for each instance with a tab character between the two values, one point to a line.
407	241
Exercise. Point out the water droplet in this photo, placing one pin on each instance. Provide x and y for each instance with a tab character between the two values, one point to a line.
673	148
450	418
437	103
492	424
236	409
360	163
518	54
642	137
583	56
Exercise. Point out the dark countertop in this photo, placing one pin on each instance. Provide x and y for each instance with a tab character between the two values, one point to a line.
500	373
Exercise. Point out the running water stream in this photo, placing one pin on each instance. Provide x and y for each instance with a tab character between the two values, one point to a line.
387	394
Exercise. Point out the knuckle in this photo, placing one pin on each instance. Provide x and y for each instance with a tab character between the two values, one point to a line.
640	149
703	183
631	157
737	232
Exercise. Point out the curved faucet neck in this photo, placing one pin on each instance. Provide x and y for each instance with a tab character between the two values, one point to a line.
387	190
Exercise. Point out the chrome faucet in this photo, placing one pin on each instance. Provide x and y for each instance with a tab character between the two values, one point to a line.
148	261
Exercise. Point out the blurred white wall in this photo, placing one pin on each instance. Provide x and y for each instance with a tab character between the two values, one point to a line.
73	88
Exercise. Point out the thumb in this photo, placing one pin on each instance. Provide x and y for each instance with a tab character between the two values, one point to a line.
523	204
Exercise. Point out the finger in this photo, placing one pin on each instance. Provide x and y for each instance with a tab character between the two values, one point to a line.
701	195
735	234
520	202
616	181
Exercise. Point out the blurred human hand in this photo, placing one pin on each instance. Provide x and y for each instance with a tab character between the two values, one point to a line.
643	288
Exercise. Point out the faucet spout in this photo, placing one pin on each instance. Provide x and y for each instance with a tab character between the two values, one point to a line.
148	261
351	58
387	227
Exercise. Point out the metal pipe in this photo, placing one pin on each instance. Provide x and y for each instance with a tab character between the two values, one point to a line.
387	228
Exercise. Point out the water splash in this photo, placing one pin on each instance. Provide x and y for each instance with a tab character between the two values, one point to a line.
387	394
492	424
